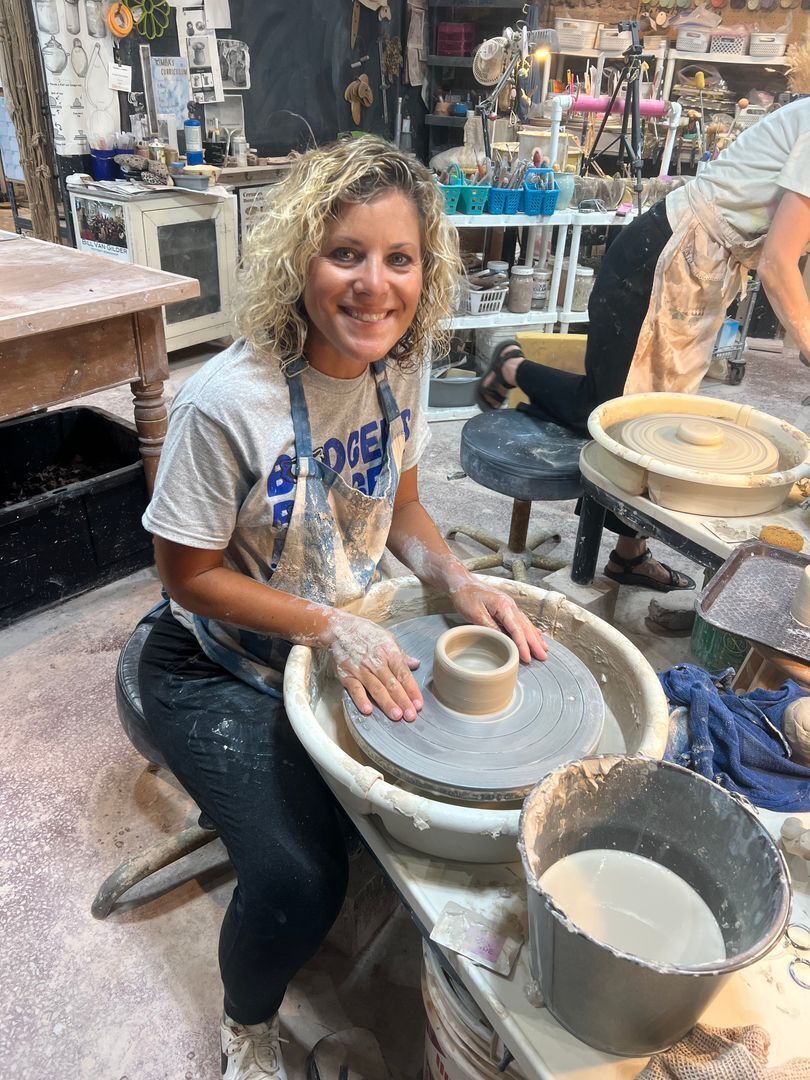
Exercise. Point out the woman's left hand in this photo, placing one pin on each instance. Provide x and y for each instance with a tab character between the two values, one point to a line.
485	606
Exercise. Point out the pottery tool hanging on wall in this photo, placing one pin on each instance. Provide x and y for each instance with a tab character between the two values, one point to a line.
358	94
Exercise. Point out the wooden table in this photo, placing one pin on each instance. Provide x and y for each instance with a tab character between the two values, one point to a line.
73	323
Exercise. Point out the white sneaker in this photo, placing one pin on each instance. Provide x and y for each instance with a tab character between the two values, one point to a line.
251	1051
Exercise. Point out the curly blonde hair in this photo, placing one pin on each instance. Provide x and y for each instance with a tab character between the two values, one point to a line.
277	254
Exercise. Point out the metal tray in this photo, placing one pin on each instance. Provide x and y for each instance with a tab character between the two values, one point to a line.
751	595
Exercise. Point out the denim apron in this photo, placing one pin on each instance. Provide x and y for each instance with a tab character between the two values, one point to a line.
334	541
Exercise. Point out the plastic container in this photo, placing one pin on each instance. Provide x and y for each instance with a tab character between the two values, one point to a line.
767	44
452	190
611	40
694	41
576	33
498	266
690	825
729	42
521	287
192	130
102	165
541	284
85	530
481	301
715	649
472	198
460	1044
455	39
504	200
537	200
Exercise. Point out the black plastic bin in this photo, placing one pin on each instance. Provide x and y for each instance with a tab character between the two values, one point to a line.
72	492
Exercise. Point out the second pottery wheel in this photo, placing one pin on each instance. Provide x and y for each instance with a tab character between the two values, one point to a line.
698	442
557	715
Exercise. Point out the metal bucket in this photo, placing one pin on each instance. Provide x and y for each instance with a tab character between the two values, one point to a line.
607	998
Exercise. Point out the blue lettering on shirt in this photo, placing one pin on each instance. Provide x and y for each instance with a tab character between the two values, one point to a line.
363	452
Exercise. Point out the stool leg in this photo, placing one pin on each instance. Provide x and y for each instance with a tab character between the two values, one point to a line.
589	535
484	539
518	571
483	562
542	537
148	862
547	562
519	525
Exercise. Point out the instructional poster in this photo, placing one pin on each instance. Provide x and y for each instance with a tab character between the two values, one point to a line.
76	50
234	63
172	89
203	63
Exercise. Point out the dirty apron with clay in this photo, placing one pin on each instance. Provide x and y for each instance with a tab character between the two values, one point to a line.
334	541
698	274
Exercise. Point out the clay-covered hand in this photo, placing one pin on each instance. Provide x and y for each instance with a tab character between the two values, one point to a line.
485	606
372	667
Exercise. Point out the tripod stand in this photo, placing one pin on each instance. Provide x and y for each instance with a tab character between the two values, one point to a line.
629	148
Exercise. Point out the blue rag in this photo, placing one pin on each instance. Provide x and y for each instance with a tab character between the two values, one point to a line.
737	741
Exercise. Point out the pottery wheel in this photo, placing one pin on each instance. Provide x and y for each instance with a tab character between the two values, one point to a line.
557	715
698	442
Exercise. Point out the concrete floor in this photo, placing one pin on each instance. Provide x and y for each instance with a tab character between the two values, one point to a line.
138	996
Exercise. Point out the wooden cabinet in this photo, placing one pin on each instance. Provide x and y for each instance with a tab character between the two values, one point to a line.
182	232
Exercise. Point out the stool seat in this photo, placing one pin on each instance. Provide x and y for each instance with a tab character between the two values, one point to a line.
514	453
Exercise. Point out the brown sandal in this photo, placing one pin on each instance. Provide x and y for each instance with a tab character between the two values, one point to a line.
497	389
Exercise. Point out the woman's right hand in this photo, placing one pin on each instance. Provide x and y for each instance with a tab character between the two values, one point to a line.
372	667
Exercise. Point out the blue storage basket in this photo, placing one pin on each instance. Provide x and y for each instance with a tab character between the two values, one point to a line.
452	190
539	200
504	200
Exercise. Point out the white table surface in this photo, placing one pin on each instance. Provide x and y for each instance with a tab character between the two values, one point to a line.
763	994
694	526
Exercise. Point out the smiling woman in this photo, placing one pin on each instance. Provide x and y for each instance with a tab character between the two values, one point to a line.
289	466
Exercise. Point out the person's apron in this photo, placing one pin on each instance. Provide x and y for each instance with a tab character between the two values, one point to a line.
701	269
334	541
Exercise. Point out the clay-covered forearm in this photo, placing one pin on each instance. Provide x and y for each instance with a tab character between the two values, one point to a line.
416	541
193	579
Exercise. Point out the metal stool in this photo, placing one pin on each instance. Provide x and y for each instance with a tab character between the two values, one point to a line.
128	700
512	452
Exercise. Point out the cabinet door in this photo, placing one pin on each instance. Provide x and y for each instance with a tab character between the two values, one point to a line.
194	240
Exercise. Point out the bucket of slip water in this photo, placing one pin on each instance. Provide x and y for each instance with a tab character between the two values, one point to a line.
648	887
459	1042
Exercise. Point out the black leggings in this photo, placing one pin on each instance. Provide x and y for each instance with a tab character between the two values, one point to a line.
234	751
616	312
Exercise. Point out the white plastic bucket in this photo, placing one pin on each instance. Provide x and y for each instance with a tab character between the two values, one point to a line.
459	1043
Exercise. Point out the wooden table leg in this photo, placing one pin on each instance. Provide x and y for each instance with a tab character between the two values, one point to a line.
151	420
151	417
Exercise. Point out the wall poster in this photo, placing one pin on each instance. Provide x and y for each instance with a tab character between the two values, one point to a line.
102	228
76	49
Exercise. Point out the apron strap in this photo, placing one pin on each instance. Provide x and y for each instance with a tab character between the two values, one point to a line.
386	395
302	433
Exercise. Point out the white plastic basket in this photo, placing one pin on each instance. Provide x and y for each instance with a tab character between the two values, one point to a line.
480	301
768	45
613	41
749	115
576	33
730	42
694	41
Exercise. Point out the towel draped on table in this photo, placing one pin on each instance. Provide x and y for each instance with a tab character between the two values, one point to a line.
708	1053
737	740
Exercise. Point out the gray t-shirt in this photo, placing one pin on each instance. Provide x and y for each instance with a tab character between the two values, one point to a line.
224	477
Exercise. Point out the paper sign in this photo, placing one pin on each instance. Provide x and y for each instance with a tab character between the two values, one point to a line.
218	13
120	77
